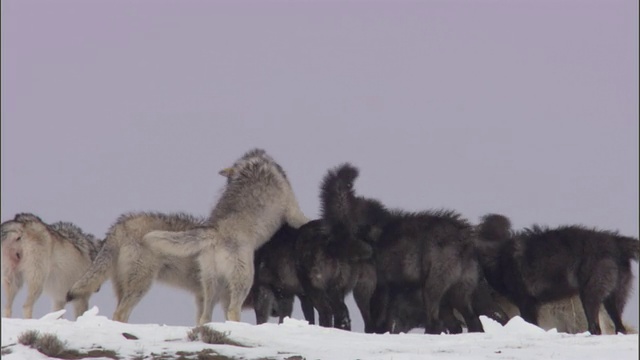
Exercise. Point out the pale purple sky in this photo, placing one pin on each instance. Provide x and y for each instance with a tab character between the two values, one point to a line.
527	108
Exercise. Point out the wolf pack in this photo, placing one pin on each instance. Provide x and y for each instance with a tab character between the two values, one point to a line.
430	269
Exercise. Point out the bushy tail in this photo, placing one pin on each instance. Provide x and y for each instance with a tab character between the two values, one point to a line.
179	243
630	247
97	273
336	194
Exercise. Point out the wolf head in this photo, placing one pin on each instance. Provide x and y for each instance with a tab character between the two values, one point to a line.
494	227
252	160
337	194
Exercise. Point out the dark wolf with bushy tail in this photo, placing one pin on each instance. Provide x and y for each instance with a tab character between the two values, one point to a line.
48	257
256	202
539	265
432	250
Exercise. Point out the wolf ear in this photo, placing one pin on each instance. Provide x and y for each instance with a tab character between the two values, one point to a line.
228	172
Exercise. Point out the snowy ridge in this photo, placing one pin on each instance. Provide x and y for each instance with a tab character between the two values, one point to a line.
517	339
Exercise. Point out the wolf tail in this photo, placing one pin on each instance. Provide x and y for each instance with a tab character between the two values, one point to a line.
630	247
177	243
96	274
336	193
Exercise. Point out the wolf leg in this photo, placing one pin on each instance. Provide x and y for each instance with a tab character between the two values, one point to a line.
11	284
614	304
432	294
615	311
601	282
285	307
263	304
591	310
340	312
80	306
134	282
199	306
239	284
461	298
528	310
322	303
379	305
362	293
210	297
35	284
307	309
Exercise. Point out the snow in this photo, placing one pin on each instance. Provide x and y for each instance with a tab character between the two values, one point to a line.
516	340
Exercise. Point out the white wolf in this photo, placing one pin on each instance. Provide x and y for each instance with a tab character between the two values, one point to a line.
257	200
48	258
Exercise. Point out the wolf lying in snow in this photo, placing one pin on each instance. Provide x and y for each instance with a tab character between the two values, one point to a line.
48	258
257	200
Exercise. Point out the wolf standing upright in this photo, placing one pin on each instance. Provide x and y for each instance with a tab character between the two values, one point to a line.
257	200
47	257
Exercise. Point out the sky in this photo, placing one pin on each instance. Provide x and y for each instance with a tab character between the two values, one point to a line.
295	339
526	108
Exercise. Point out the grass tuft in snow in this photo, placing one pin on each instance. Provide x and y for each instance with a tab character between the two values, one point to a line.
210	336
29	338
50	345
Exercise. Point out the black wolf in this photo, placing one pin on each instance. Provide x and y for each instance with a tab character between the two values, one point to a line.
276	278
329	269
538	265
431	250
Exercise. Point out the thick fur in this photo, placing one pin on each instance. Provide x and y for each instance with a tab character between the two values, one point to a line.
257	200
540	265
406	309
48	258
276	279
432	250
329	268
133	267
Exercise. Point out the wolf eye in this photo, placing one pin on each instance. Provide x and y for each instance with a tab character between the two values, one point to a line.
19	237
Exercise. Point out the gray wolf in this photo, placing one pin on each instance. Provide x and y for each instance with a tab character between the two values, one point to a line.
432	250
133	267
255	203
539	265
48	257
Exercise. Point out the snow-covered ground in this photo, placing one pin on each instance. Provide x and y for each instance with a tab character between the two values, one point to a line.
296	339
